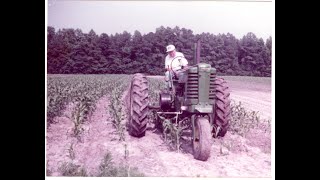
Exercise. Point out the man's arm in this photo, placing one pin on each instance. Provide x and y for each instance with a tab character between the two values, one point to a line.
166	64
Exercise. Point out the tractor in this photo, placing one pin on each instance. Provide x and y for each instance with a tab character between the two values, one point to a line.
196	100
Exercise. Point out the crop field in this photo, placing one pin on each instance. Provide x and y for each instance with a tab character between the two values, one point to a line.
87	132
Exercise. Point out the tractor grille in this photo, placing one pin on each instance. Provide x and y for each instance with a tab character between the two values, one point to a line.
192	86
211	87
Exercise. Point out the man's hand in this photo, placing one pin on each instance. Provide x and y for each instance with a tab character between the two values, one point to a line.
185	67
168	68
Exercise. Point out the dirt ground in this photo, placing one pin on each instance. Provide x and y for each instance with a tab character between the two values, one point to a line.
232	156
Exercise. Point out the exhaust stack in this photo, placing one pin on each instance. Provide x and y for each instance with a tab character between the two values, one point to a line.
197	52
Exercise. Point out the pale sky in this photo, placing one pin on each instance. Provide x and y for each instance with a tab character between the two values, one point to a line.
112	17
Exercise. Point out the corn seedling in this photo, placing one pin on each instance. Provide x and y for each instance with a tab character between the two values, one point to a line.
71	169
172	132
116	105
242	119
71	152
107	169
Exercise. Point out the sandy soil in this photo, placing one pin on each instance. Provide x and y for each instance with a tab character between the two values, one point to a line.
231	156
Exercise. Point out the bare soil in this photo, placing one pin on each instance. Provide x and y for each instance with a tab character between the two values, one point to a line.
231	156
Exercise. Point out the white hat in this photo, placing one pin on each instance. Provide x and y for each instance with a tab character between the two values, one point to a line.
170	48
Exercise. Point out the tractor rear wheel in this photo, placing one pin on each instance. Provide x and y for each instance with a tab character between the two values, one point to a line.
201	139
222	111
139	101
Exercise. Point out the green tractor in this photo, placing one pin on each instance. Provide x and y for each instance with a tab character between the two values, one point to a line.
196	100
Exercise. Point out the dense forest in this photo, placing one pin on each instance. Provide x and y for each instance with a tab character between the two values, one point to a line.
70	51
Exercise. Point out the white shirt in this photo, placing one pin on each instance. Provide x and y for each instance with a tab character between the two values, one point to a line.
177	63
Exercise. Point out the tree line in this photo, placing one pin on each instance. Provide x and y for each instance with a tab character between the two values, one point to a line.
70	51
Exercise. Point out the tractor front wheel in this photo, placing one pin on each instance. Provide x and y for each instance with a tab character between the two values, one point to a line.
201	139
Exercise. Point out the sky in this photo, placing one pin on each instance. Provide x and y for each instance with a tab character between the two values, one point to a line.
110	17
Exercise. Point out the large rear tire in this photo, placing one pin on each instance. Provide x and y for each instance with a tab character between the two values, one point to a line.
202	139
222	115
139	101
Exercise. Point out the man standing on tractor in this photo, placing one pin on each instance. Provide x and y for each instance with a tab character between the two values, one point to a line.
174	62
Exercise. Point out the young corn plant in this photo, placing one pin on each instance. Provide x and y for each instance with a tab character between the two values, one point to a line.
116	106
116	110
80	113
71	153
154	88
242	119
108	169
71	169
63	89
172	132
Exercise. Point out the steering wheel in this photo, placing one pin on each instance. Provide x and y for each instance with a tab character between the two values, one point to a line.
175	59
173	72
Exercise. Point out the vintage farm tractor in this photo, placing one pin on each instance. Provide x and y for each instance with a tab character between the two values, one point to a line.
197	100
